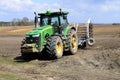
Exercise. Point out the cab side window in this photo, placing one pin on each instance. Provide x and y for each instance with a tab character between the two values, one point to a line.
63	21
54	21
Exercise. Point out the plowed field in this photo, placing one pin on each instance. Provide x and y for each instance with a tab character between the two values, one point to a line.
100	62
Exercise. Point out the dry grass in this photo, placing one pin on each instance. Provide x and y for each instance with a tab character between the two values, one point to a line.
15	30
106	29
98	29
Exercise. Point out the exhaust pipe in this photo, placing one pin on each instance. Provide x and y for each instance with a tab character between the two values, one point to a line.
36	20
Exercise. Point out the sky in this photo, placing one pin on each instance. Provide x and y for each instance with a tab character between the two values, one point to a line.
99	11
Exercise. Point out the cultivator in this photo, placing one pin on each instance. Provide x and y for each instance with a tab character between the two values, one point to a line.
85	34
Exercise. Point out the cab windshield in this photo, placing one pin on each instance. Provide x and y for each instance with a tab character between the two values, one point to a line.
49	20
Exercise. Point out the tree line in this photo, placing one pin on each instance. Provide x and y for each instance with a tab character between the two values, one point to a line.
18	22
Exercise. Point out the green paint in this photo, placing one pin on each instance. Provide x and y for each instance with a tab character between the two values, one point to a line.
65	31
38	30
46	30
42	31
48	12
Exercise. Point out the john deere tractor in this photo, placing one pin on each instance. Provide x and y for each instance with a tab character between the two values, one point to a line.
52	34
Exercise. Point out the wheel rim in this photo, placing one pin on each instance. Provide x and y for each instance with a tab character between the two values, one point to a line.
74	42
59	48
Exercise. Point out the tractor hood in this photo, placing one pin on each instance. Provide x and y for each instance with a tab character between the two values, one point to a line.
38	30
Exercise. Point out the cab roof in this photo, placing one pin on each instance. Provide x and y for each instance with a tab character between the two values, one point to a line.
53	13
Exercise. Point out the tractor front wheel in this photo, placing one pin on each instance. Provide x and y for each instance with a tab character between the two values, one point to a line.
54	47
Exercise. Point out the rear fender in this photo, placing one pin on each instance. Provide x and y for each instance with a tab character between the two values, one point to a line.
67	29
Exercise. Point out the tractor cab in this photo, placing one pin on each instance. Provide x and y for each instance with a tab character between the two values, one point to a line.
56	19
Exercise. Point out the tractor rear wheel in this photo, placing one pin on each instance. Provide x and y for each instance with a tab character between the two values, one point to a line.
54	47
72	41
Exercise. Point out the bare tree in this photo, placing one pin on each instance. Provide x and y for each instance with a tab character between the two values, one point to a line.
16	21
25	21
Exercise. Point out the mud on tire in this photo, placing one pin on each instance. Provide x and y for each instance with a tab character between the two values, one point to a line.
72	41
54	47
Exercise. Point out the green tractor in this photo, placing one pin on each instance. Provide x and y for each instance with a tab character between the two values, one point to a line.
52	34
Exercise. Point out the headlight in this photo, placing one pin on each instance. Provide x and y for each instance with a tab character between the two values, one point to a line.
36	35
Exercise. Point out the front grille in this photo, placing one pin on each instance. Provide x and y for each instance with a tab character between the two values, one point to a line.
31	40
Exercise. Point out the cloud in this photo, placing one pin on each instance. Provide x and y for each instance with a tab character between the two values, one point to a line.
2	13
80	10
45	6
111	5
26	5
21	8
15	5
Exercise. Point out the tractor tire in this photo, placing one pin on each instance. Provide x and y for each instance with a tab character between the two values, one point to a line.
72	42
90	41
54	47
